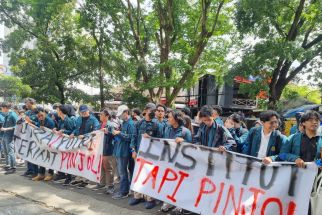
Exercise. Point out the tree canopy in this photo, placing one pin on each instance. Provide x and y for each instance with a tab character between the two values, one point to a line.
284	42
12	88
160	47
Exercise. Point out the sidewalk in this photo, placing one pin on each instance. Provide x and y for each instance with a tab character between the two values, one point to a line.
51	198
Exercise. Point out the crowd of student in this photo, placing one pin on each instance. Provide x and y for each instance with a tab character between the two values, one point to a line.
125	128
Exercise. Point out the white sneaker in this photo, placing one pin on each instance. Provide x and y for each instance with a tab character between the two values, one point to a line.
166	207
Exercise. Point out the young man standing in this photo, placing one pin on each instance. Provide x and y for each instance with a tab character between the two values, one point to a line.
304	146
1	133
211	133
8	128
265	142
234	124
44	120
147	127
160	115
123	139
30	103
85	123
66	125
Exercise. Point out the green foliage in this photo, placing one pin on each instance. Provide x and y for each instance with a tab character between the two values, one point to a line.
169	44
134	98
12	88
282	39
46	48
160	47
293	91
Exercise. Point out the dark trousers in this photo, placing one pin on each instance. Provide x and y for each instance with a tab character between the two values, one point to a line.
42	171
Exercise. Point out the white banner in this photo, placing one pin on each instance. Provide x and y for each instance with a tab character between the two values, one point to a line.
41	146
203	180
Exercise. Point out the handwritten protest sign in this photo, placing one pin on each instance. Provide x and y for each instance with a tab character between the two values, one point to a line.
81	157
203	180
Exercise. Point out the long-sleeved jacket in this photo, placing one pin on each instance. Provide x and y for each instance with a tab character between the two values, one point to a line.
294	129
161	128
10	120
239	135
181	131
48	122
68	125
109	141
218	136
92	124
1	121
32	115
253	142
152	128
125	139
291	150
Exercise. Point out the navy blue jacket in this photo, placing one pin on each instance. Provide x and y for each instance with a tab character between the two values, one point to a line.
124	139
253	141
291	150
92	124
108	148
152	128
10	120
181	131
48	123
239	135
218	136
68	125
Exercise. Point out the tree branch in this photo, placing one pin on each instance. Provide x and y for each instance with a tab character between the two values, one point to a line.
306	36
297	70
278	28
313	42
25	28
292	32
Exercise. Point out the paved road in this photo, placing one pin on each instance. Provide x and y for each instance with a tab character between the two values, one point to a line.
20	195
12	204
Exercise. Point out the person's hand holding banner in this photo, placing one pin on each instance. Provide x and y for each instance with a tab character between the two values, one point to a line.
179	140
145	135
79	156
267	160
134	155
222	149
300	163
27	119
206	181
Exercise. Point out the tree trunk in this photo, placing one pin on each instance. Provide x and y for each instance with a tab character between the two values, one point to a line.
101	79
275	93
61	90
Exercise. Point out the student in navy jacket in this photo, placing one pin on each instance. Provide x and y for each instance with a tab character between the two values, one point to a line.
265	142
43	120
304	146
211	133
